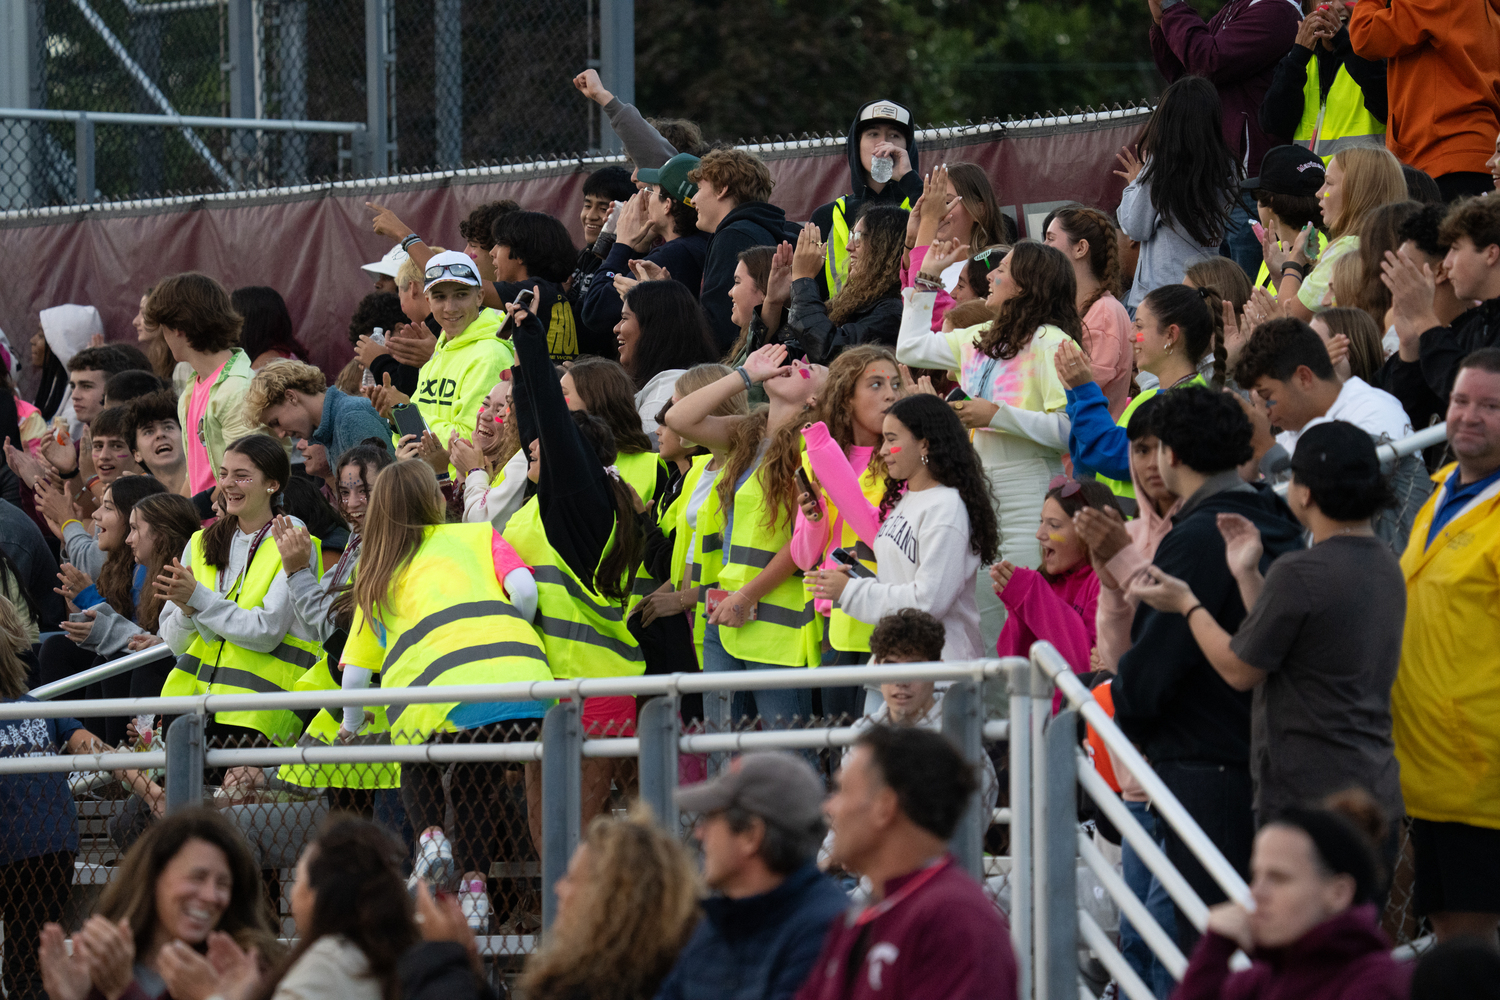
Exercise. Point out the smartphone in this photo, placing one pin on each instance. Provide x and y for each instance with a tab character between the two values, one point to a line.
956	394
525	299
714	598
408	420
807	487
856	568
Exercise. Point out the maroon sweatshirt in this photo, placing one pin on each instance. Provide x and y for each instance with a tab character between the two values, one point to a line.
941	939
1237	51
1346	957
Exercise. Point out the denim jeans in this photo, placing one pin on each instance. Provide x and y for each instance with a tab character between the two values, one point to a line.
1148	889
1240	244
774	707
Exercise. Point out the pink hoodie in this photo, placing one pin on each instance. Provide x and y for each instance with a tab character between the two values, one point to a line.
814	541
1116	611
1060	611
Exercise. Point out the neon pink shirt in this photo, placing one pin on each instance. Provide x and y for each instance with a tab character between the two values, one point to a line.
201	471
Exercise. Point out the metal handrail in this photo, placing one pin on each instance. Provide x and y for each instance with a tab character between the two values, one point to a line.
1052	663
180	121
113	668
659	684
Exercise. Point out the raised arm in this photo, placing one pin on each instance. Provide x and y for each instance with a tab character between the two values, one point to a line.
692	416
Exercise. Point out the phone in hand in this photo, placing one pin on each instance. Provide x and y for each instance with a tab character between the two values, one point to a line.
408	420
525	299
956	395
856	568
806	486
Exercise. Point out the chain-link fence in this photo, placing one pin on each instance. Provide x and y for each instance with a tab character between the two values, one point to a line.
454	83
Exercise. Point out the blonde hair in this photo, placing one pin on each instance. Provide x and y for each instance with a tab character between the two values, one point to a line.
1345	278
14	640
275	381
1372	177
410	270
404	503
699	376
629	919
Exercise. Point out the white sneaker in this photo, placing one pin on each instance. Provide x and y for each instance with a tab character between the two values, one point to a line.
434	861
475	904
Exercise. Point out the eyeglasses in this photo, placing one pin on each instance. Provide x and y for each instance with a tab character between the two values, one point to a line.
462	272
856	236
1068	486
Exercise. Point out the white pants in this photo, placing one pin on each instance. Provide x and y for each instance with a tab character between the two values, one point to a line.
1019	471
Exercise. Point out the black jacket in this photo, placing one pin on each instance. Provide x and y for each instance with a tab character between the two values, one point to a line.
1168	698
1281	108
895	192
808	323
751	224
440	970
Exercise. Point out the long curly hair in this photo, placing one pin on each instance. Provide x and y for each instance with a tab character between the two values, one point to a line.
1048	295
1190	170
835	405
1104	249
633	912
876	272
778	467
354	871
609	394
952	461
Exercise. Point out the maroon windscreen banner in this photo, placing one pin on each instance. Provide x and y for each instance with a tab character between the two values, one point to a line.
309	242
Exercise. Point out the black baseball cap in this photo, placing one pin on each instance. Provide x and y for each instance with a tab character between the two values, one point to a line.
1290	170
1335	454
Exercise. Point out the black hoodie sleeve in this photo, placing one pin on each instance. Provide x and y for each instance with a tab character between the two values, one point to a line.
1281	108
807	321
403	377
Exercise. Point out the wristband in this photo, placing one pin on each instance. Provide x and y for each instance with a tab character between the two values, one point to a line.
933	283
1189	613
476	469
71	520
69	475
408	241
740	371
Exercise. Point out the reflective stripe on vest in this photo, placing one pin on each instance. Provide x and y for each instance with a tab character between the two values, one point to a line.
584	632
448	623
784	631
836	264
1341	122
226	668
1126	488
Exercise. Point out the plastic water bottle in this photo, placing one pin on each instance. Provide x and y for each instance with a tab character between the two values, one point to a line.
145	730
367	380
881	168
475	905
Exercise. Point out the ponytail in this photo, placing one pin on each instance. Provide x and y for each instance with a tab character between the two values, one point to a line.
1198	313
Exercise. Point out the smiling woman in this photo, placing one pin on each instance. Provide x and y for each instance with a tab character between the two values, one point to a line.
190	885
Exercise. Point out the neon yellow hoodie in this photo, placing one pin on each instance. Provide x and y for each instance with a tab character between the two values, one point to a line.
460	373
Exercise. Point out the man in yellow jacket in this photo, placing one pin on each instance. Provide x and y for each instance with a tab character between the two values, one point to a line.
1446	702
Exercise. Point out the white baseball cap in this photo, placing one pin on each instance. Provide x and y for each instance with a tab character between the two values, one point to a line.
389	265
451	265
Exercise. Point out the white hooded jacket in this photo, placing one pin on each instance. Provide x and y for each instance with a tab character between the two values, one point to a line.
68	329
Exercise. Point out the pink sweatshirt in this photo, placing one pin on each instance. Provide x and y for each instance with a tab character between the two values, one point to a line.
1107	339
1060	611
944	300
842	498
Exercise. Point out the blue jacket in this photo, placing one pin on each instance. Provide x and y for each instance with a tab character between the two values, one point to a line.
348	420
758	948
1096	443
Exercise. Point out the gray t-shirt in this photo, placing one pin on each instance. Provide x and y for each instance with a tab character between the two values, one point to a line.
1327	630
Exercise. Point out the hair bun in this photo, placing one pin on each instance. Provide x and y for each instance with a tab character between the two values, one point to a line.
1203	292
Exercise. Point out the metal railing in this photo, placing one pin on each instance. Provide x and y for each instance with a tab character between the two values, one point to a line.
1392	452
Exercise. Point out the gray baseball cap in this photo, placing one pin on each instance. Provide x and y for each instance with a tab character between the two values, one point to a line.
774	785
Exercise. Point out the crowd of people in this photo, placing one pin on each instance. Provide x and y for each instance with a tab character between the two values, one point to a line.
716	439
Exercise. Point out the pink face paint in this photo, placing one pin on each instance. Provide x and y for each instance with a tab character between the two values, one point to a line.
803	373
895	449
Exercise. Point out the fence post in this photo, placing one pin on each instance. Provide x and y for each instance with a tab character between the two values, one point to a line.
1056	860
1041	883
616	60
185	762
378	57
963	722
1018	678
658	729
562	784
83	135
243	74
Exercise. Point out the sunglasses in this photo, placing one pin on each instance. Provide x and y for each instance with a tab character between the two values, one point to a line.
1068	486
462	272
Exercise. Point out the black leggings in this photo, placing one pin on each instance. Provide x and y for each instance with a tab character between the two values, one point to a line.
61	658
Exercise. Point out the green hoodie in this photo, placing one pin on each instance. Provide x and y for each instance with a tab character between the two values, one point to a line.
461	372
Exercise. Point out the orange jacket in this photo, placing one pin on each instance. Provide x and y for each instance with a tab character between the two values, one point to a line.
1443	76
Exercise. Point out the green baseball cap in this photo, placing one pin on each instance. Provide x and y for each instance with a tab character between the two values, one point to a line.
672	177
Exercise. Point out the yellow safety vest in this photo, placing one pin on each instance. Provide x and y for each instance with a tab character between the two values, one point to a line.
785	631
584	632
1445	704
448	622
225	668
850	635
836	264
641	470
1342	122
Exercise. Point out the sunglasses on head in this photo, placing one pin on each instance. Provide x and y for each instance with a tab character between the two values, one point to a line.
1068	486
461	271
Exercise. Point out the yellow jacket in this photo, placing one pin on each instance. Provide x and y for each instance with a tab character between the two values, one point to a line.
1445	705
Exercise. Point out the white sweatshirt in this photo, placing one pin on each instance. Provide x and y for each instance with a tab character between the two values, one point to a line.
925	563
